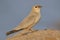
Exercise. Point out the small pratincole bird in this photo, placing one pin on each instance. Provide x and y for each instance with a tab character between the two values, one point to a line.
29	21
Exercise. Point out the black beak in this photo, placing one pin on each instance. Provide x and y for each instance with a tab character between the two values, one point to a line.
38	6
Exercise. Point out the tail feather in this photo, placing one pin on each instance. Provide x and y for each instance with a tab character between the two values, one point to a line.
13	31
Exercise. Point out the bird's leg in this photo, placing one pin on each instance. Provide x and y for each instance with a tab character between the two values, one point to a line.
32	30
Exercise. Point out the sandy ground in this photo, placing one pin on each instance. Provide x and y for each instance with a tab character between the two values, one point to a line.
37	35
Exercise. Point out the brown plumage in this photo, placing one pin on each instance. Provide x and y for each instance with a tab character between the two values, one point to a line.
29	21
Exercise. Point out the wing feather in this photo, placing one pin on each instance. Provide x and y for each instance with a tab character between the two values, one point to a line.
26	22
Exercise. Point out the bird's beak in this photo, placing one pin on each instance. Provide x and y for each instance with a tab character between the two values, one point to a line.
39	6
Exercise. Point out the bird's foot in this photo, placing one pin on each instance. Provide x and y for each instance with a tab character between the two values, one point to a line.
31	30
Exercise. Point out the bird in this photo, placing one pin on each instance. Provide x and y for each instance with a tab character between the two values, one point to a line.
29	21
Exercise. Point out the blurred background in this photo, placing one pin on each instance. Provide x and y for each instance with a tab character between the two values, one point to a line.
12	13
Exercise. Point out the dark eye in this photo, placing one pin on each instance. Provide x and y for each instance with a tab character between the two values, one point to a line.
35	6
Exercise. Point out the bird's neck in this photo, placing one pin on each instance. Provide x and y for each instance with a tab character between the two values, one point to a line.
35	12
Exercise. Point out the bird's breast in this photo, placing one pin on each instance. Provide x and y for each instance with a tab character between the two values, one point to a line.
37	18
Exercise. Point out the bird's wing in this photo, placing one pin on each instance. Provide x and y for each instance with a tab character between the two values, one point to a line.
26	22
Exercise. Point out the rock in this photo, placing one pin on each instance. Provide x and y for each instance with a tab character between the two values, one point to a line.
38	35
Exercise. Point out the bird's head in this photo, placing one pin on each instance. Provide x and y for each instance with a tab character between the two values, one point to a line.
36	8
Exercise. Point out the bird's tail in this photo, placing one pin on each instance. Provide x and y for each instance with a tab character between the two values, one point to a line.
13	31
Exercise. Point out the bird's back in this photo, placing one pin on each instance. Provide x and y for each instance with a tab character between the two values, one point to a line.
27	21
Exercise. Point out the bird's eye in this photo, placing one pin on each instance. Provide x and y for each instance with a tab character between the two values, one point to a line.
35	6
